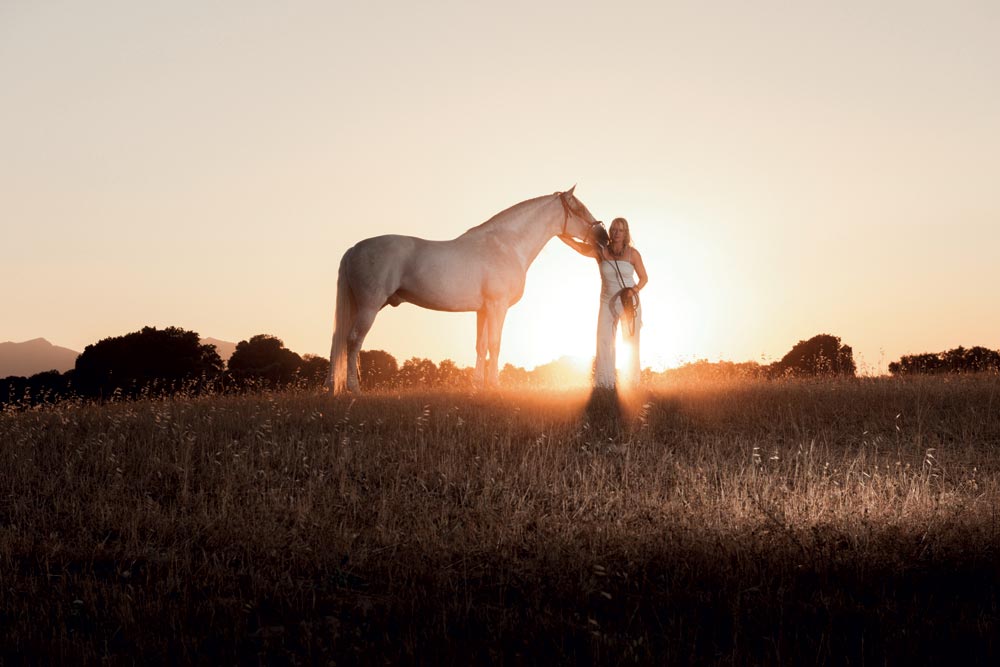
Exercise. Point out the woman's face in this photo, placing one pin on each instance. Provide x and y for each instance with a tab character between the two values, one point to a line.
617	232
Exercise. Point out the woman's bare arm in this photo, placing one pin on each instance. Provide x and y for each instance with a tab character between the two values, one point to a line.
583	248
640	270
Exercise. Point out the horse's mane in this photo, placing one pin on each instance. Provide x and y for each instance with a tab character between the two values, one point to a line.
509	211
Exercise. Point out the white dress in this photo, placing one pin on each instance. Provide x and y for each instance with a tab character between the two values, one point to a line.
607	325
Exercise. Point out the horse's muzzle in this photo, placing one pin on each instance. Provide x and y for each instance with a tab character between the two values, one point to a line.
598	234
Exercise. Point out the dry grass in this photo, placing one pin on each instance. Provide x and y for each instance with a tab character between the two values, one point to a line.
834	522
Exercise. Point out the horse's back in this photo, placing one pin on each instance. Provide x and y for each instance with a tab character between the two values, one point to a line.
412	255
388	245
440	275
378	267
377	261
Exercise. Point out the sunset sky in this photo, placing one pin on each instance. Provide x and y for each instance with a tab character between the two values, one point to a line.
788	168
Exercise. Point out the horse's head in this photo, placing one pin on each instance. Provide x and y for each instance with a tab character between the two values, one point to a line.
577	220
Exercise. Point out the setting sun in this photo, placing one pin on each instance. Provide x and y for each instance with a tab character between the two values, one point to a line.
682	312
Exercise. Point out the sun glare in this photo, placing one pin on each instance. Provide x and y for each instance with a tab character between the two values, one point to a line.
623	353
580	364
557	316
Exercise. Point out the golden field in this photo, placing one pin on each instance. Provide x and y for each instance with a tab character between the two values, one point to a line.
841	521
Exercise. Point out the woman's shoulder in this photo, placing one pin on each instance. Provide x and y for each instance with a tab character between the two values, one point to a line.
633	256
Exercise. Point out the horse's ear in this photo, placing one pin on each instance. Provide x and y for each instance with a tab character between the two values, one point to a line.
570	191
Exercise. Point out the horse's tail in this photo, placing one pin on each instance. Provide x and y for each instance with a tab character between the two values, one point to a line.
343	320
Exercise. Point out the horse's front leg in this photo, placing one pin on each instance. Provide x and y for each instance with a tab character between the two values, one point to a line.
479	378
495	315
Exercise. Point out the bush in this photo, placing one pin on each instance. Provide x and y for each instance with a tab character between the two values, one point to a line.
157	360
820	355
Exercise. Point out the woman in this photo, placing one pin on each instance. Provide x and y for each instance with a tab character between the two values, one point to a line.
618	260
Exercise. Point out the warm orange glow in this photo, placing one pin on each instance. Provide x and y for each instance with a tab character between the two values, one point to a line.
564	373
623	353
777	186
581	364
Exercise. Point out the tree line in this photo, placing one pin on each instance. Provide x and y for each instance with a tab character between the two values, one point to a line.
159	362
825	355
156	362
957	360
820	355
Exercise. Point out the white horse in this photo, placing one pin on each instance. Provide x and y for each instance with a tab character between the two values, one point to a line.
482	270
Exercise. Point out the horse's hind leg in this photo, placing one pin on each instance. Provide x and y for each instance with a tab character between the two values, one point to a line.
362	323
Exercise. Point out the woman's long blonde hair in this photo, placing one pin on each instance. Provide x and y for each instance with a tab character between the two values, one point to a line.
628	235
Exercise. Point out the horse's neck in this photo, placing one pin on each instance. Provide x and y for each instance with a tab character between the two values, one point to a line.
524	229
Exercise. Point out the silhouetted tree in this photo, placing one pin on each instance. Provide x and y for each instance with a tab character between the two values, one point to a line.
47	387
314	370
264	358
150	359
450	375
417	372
709	370
958	360
972	360
378	369
918	363
513	376
560	372
820	355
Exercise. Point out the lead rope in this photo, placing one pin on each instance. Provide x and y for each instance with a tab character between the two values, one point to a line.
629	322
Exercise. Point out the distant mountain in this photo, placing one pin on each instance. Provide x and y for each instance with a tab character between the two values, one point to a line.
223	347
34	356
